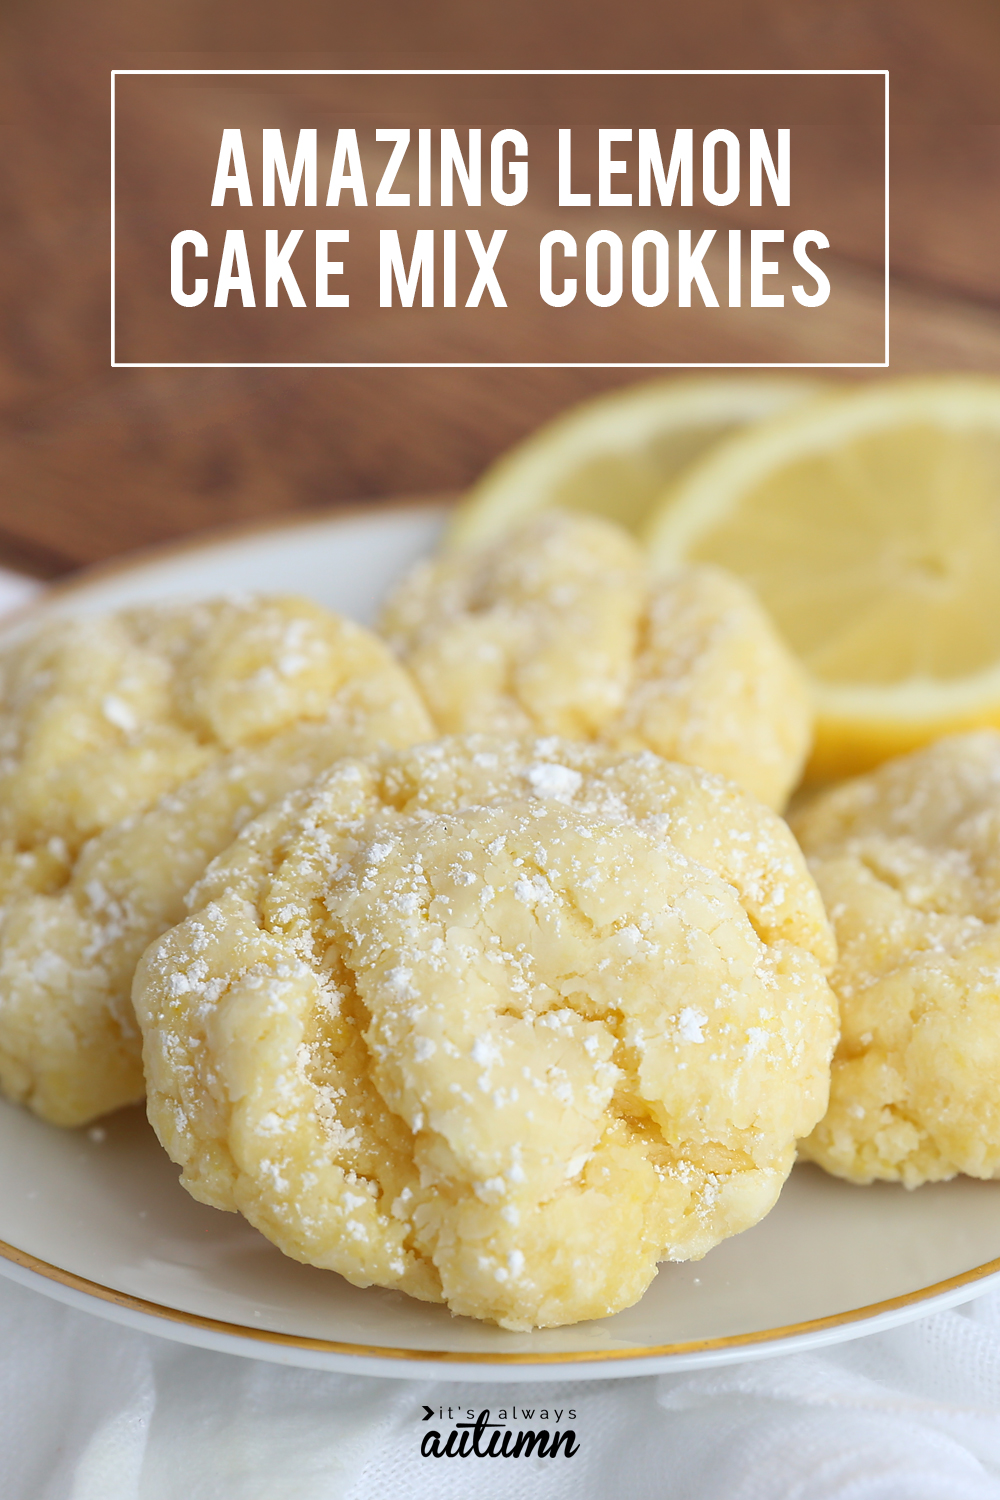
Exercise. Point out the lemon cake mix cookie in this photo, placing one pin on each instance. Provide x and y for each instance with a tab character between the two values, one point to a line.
132	749
908	861
557	629
501	1024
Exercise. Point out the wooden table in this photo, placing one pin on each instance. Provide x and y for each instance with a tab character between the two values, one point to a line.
96	461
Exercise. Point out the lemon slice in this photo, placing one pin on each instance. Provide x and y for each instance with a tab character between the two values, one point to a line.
614	455
869	525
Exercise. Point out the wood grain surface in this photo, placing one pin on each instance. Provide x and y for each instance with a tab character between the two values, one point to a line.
96	461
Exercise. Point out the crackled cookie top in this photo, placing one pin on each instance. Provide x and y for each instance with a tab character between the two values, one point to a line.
501	1024
556	628
132	749
908	861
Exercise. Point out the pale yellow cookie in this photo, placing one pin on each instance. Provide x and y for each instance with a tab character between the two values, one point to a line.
134	748
501	1024
557	628
908	861
533	634
713	686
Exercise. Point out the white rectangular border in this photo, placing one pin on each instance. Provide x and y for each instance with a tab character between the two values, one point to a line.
498	73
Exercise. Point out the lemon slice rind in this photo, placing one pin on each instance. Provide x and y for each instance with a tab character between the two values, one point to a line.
858	724
623	426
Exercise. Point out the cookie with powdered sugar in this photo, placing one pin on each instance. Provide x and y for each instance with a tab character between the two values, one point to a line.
557	629
133	747
908	861
501	1024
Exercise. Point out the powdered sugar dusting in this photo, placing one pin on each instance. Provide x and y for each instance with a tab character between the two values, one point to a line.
555	782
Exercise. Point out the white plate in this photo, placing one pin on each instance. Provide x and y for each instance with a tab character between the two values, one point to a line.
98	1219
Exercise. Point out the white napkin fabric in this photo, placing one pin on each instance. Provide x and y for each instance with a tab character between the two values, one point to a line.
92	1411
15	590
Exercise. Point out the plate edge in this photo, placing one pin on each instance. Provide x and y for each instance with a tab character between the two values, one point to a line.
208	537
84	1285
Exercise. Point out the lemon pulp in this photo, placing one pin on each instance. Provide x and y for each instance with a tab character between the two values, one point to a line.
614	456
869	526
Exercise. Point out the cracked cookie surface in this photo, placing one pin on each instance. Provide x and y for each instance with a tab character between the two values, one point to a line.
557	629
500	1024
908	861
133	747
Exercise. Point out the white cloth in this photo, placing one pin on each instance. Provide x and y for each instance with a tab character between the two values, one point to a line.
92	1411
15	590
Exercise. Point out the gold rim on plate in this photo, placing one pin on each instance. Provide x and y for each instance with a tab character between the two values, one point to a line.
446	1356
